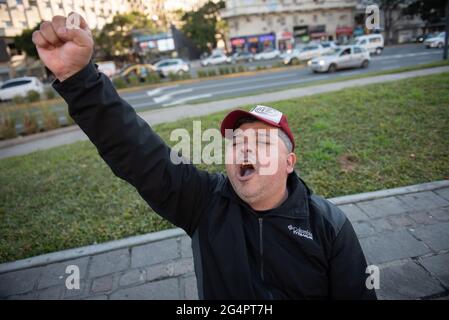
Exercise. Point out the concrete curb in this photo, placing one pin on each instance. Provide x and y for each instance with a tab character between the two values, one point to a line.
90	250
36	136
389	192
177	232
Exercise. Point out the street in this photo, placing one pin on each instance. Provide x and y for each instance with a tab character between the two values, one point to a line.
166	96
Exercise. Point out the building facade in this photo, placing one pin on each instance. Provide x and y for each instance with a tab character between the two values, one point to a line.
257	24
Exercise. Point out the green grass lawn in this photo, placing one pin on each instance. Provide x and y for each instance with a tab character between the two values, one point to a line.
354	140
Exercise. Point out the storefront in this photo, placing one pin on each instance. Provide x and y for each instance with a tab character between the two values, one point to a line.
285	41
254	43
343	34
301	34
318	33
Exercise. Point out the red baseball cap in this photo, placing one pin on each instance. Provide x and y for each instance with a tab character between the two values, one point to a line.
265	114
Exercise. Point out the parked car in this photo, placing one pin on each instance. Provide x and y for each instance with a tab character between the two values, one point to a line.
267	54
422	37
436	41
305	53
176	66
374	43
341	58
215	58
328	46
20	87
243	56
141	71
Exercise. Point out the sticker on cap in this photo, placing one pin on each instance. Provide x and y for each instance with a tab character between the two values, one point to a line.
267	113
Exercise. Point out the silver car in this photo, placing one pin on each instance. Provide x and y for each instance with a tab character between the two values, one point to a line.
341	58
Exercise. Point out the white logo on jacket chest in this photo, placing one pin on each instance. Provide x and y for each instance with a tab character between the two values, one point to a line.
300	232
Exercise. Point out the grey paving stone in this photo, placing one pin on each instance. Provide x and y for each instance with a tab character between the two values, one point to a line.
381	225
100	297
52	293
17	282
55	274
440	214
435	236
383	207
77	294
353	212
423	218
102	284
190	288
406	280
401	220
154	253
26	296
363	229
439	266
109	262
159	290
135	276
423	200
171	269
443	193
392	246
186	247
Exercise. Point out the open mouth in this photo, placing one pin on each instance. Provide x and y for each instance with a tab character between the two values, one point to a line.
247	169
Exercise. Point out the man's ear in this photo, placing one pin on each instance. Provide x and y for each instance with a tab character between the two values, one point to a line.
291	161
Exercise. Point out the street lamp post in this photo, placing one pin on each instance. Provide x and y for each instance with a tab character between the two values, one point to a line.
447	32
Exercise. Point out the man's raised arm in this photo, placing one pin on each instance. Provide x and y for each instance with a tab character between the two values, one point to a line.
128	145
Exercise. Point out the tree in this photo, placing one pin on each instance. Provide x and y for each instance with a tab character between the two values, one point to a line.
430	11
115	39
201	25
393	12
24	42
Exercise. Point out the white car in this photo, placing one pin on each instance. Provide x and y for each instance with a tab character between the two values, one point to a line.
374	43
174	66
267	54
305	53
435	42
341	58
20	87
216	58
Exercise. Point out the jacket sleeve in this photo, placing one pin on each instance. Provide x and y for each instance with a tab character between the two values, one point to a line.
177	192
348	267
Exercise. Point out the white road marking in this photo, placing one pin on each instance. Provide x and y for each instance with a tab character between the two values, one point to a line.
168	96
182	100
156	91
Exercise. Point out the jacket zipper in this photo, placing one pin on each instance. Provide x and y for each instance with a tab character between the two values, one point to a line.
261	246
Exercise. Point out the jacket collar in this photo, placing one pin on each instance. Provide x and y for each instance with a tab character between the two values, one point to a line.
296	205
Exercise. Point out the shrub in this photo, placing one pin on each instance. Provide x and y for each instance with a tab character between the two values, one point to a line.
119	83
50	93
7	127
33	96
50	118
173	76
30	125
201	74
133	80
18	99
69	119
211	73
241	69
153	78
186	76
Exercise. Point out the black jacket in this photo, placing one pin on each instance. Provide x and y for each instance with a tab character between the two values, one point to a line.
304	249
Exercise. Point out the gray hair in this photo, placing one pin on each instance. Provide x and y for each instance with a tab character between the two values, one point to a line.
282	135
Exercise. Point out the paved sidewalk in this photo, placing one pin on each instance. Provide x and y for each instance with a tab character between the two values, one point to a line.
59	137
404	231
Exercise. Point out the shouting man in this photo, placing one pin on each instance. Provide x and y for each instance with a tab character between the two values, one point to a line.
254	235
